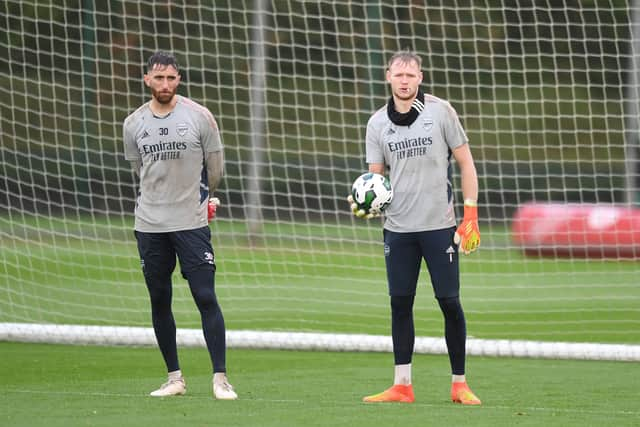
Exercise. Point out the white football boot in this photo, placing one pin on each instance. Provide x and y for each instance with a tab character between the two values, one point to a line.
222	390
174	387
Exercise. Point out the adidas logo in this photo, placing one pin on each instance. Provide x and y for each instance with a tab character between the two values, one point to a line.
418	105
450	251
144	135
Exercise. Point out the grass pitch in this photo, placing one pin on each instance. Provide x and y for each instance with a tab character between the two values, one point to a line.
50	385
304	278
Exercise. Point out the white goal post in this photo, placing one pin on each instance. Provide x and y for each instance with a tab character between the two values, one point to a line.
548	93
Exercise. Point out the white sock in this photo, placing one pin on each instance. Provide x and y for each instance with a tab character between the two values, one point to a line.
175	375
458	378
402	374
219	377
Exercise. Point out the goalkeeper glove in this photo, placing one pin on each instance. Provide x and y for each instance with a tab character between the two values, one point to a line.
361	213
467	236
212	207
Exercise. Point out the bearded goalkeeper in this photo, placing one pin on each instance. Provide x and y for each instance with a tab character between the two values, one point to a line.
413	138
175	149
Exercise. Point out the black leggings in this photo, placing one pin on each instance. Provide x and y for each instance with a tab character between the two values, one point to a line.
201	283
403	330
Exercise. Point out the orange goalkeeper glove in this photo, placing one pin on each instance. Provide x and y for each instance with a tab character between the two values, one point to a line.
212	207
467	236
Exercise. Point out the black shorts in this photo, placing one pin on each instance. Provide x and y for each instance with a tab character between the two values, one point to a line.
158	251
404	252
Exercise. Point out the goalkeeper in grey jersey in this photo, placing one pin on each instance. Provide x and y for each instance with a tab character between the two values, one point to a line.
413	139
174	146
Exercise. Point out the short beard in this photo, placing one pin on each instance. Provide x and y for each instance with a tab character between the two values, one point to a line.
163	98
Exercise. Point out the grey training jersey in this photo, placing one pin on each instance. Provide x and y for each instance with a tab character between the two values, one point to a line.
173	179
418	157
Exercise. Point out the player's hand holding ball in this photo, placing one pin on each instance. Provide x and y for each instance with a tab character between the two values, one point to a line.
212	207
370	194
467	236
361	213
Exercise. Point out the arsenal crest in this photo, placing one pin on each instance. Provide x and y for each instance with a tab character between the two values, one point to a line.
182	129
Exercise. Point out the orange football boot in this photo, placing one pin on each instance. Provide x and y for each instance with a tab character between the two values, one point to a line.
461	393
396	393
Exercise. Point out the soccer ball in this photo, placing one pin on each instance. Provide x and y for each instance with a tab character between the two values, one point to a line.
371	192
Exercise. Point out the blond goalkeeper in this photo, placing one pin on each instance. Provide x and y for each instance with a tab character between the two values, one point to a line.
413	139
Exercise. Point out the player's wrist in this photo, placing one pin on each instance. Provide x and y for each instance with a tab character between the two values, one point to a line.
470	210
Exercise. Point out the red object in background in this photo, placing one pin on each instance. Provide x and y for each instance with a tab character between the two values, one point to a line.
577	230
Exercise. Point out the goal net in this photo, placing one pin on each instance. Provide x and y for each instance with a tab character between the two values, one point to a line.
548	95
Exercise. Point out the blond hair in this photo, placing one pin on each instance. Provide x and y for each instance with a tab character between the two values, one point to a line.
404	57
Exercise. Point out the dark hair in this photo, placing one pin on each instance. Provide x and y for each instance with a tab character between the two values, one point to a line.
163	59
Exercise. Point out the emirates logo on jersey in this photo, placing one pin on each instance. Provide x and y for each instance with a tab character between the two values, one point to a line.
182	129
